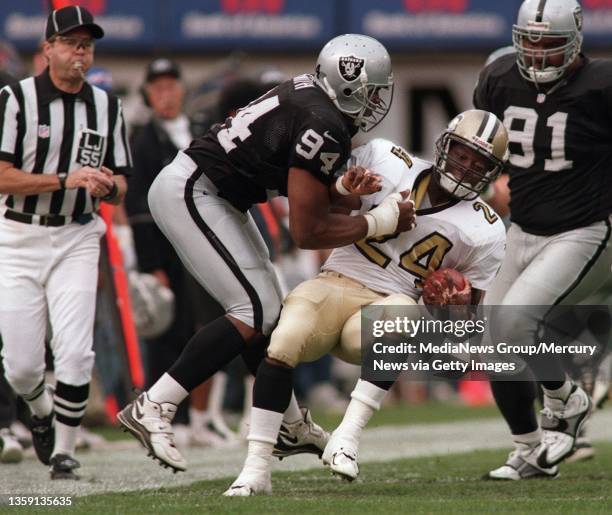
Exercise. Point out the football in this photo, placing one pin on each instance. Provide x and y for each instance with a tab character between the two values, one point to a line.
447	287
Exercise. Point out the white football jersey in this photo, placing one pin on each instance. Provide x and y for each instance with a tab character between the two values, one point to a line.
465	235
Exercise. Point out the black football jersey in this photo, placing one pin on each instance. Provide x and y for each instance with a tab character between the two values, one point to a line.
560	144
293	125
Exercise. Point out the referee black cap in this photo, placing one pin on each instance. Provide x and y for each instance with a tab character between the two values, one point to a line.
162	66
69	18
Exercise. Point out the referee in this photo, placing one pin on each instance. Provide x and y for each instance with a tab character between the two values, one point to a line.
63	149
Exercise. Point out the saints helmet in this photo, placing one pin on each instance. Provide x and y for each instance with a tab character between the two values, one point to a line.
539	20
355	72
481	131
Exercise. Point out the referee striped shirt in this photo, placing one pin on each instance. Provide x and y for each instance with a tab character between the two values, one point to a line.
46	131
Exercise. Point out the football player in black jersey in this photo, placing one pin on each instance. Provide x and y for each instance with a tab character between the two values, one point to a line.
291	141
555	103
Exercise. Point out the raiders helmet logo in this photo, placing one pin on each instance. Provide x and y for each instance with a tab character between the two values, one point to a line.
350	67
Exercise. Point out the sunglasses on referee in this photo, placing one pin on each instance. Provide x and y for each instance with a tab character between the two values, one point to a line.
74	42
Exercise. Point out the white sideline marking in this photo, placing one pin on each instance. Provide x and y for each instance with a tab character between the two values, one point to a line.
124	466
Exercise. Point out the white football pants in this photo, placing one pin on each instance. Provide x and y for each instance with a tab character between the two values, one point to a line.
50	270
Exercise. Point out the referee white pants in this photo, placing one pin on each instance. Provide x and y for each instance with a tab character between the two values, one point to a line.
219	245
48	271
563	269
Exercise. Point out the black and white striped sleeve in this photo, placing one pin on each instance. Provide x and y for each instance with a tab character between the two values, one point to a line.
118	155
9	110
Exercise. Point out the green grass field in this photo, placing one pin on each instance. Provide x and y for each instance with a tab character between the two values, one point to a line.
434	484
449	484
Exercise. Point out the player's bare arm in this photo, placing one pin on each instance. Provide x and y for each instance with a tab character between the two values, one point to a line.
346	204
314	226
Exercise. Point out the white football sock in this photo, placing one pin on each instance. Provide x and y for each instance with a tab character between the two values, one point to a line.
561	393
265	425
167	389
42	405
530	439
365	400
292	413
65	439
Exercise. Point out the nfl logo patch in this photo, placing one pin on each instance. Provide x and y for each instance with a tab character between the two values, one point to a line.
43	131
350	67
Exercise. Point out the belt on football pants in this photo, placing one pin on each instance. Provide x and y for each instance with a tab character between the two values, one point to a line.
47	220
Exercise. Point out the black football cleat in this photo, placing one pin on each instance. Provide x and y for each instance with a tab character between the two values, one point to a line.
63	467
43	436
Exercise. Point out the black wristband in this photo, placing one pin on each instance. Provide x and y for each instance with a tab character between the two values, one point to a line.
111	194
62	180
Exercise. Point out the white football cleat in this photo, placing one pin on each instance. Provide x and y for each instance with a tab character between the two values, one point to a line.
250	483
303	436
561	423
522	463
150	423
11	450
341	457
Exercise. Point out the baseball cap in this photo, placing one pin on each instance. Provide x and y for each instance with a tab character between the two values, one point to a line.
72	17
162	66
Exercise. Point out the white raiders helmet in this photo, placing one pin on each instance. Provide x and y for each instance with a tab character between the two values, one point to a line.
481	131
152	304
545	19
355	71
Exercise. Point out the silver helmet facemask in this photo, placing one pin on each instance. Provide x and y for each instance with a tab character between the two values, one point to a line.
559	19
461	185
374	101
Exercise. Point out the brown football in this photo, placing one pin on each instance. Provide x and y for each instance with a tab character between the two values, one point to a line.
447	287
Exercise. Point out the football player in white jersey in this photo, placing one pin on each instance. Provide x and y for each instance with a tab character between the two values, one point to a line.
454	230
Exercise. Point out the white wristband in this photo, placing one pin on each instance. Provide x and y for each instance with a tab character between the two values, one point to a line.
340	187
384	217
372	225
